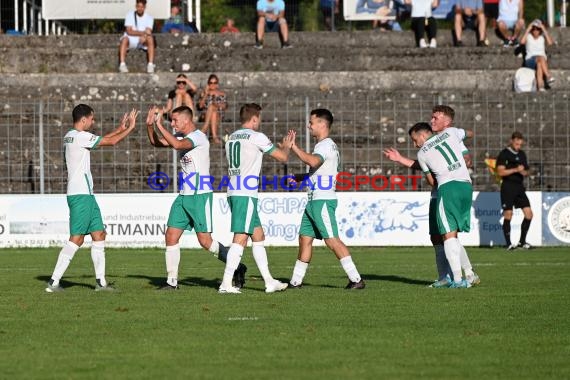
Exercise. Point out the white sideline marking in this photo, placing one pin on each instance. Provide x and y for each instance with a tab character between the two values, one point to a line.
524	264
243	318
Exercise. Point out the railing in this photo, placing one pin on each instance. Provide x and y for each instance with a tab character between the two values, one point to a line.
26	18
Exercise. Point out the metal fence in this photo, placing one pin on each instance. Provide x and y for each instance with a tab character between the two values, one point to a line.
31	132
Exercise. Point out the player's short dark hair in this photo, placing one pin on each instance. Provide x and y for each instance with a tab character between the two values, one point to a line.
325	114
141	1
80	111
184	110
446	110
249	110
420	127
517	136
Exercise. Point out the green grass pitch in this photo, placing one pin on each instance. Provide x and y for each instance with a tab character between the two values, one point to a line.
515	325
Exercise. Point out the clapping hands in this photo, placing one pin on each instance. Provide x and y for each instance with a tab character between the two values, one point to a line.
129	119
154	115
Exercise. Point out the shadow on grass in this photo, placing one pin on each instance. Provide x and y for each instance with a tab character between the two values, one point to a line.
188	281
393	278
66	283
157	282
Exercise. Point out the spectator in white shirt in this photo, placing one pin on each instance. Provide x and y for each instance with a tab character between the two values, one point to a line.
423	21
138	35
535	39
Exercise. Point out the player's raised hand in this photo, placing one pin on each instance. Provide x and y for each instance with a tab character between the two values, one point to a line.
392	154
158	114
123	123
288	140
133	117
150	116
293	135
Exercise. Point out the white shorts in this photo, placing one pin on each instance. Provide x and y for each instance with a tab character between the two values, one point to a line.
134	42
509	23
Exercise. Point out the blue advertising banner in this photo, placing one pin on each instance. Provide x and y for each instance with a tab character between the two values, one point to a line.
556	218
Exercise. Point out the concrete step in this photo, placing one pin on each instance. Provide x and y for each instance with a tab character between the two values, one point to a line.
321	51
263	86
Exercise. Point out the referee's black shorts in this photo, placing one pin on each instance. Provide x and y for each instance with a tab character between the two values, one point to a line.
513	195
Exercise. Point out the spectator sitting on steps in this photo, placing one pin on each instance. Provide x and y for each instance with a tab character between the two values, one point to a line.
271	18
423	21
138	35
182	95
536	38
469	14
213	103
511	19
175	24
229	27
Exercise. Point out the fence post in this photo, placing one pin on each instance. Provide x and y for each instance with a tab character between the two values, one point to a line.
550	12
41	138
174	180
25	17
307	133
563	14
16	16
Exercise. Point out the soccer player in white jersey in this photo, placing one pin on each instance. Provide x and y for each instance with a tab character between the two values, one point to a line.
244	151
441	156
84	213
192	209
319	219
441	119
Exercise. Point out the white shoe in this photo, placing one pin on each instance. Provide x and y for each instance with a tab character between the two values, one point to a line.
123	68
275	286
433	43
423	43
150	68
229	290
473	279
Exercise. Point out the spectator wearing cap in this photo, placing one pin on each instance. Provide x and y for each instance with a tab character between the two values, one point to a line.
535	39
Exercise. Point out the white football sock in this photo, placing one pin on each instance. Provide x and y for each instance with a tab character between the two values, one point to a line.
98	258
299	272
234	257
465	262
441	261
65	256
172	257
214	248
452	252
260	257
350	269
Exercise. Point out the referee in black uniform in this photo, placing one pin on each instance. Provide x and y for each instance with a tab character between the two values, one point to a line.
512	166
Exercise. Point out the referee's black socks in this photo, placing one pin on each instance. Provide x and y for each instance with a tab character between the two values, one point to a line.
507	231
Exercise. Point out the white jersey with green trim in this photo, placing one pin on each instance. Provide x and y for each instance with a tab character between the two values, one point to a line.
460	134
77	148
244	152
323	180
195	164
442	156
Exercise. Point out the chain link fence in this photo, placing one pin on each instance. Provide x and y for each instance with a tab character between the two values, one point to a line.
31	133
